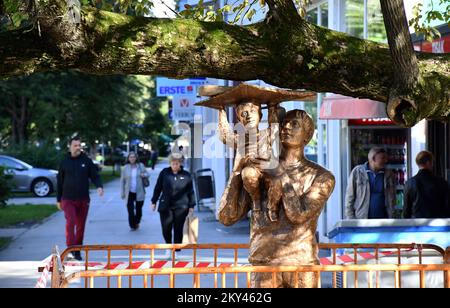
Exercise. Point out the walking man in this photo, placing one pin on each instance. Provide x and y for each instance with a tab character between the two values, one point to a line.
73	192
426	195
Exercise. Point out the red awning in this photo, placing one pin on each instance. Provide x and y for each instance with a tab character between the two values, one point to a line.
336	107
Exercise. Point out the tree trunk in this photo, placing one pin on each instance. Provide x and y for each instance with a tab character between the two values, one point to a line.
283	50
404	59
18	112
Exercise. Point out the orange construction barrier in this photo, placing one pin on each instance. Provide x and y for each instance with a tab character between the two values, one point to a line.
144	261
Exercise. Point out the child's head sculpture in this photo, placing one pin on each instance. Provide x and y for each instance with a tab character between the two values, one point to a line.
249	113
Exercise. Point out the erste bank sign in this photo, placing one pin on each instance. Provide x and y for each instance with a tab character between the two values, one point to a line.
174	87
183	107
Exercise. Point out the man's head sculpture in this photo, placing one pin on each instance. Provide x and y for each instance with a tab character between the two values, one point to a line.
297	129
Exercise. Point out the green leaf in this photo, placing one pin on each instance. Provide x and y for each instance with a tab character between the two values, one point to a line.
250	14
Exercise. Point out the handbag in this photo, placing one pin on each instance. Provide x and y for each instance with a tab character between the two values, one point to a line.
145	181
190	230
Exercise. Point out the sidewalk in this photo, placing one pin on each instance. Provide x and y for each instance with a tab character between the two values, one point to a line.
107	223
31	200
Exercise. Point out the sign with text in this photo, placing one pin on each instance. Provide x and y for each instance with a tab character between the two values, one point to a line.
183	107
381	121
173	87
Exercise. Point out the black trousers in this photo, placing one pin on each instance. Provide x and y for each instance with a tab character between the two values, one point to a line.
134	210
173	219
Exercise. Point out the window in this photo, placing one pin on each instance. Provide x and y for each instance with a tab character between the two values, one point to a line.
324	15
375	24
312	16
318	15
363	19
4	162
354	17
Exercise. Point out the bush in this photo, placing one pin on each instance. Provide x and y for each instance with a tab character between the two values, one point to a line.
5	186
43	156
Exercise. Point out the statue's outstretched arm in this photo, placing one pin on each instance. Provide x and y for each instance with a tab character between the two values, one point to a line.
227	136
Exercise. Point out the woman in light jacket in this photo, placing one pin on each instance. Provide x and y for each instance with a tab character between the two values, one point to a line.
133	190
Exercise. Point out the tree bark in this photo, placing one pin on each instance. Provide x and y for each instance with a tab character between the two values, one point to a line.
19	113
284	51
403	57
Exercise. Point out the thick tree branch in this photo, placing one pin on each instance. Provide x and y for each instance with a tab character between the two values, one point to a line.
403	57
282	11
291	55
400	43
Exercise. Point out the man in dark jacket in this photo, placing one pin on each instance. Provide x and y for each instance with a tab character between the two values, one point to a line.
73	192
175	187
426	195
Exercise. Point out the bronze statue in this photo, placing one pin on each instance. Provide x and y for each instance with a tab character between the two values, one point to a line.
304	188
253	147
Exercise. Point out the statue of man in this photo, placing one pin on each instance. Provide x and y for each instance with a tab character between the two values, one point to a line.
305	188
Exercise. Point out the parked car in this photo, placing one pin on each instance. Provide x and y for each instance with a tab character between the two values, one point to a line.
41	182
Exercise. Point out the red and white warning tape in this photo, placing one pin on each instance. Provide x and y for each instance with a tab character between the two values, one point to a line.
42	281
350	258
144	264
342	259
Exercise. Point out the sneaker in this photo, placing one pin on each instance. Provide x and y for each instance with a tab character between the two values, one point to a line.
77	255
70	257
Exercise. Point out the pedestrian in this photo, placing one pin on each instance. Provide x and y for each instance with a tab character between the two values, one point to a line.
371	189
154	159
75	171
426	195
133	189
175	187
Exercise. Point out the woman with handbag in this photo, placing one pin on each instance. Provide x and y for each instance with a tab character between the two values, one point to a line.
133	180
177	200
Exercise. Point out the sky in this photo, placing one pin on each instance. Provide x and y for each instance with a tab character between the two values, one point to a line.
160	9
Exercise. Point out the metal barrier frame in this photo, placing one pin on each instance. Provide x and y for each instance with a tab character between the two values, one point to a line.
334	268
248	270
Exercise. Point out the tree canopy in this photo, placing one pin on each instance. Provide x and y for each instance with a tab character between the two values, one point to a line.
283	49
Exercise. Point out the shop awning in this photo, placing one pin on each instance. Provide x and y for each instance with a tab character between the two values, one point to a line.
336	107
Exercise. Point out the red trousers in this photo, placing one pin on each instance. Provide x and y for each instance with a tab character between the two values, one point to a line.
76	212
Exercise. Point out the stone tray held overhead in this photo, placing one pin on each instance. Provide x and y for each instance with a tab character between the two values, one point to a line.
230	96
